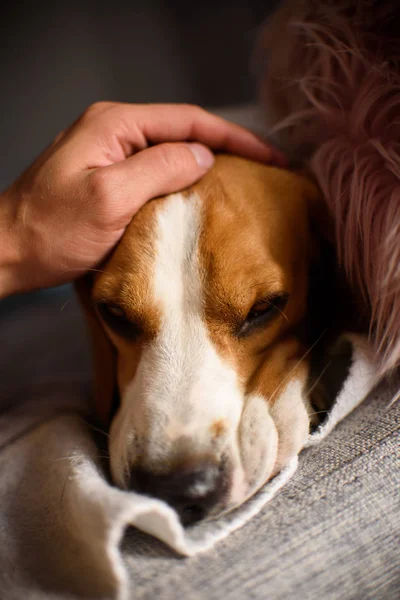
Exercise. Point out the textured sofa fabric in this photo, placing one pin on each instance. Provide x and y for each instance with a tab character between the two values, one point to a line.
332	532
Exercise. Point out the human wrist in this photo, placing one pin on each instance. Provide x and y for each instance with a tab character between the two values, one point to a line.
10	246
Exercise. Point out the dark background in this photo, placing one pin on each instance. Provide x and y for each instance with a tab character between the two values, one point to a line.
57	58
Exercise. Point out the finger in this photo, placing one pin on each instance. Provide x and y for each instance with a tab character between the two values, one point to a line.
175	122
159	170
123	129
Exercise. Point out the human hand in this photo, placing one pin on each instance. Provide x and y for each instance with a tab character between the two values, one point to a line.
68	210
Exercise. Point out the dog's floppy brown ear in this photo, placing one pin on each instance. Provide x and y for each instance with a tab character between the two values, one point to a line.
104	359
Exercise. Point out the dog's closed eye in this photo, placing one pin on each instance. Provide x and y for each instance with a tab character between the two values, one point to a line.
262	312
115	317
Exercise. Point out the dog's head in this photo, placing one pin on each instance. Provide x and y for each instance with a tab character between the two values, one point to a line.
200	321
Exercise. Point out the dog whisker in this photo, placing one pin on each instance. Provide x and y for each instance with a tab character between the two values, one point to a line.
64	305
95	270
273	395
83	269
98	430
283	314
319	377
317	412
72	458
63	492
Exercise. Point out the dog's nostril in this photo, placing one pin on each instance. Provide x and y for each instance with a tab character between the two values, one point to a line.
191	514
193	493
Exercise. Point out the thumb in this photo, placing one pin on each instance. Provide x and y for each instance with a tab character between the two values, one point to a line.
159	170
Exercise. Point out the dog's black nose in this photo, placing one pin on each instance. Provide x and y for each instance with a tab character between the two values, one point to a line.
191	492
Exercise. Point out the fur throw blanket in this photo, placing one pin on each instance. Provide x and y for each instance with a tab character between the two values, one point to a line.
332	84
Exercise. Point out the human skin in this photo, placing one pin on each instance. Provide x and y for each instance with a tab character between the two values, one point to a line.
64	214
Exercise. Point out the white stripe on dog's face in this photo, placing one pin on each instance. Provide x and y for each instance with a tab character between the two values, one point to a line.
182	387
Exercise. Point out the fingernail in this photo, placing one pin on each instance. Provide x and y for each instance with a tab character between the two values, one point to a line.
204	157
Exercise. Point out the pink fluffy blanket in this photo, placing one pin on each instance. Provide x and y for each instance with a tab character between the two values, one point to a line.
332	82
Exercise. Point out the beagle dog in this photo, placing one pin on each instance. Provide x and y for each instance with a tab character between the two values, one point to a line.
200	324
